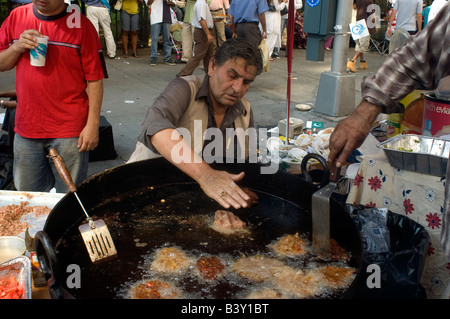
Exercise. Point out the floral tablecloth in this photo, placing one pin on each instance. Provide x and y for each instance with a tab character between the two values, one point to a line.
418	196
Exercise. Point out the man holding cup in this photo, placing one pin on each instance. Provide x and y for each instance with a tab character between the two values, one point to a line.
54	110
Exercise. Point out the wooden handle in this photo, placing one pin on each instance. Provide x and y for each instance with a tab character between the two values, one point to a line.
62	169
335	174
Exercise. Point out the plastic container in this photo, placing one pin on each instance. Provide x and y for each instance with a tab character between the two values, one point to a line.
437	112
394	122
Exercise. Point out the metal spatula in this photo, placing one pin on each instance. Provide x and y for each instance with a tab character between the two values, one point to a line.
321	216
96	236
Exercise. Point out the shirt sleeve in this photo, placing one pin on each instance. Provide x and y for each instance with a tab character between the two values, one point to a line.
262	6
166	111
91	54
5	38
420	64
419	6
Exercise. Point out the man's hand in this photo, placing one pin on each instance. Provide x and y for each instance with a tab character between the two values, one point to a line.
389	31
221	187
351	132
88	139
10	56
27	41
218	185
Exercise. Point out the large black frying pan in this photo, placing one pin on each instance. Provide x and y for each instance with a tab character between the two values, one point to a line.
151	204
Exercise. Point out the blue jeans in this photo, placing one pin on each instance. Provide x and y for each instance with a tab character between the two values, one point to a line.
155	32
34	172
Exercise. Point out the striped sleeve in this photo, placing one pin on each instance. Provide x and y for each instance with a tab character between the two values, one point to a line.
419	64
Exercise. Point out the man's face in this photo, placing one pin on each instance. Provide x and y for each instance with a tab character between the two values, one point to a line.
230	81
49	7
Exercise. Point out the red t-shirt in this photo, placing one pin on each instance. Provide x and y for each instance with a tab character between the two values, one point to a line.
52	101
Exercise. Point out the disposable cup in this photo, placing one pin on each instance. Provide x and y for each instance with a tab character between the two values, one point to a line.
38	54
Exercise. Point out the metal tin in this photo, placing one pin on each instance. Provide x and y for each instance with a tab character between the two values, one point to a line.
10	247
35	223
20	268
417	153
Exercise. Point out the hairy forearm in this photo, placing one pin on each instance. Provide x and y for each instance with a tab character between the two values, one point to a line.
170	144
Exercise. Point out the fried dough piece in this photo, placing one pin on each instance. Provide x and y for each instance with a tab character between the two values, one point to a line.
298	283
226	222
155	289
266	293
337	277
170	260
253	197
209	267
338	252
290	245
257	268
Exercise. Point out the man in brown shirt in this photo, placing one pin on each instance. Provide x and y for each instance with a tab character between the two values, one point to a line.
217	99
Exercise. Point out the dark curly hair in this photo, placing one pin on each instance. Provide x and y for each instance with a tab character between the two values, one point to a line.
239	48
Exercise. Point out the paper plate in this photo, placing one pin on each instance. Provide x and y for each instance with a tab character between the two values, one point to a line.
274	144
297	153
303	107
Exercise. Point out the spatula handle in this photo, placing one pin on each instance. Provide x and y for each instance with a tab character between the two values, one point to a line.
335	174
62	169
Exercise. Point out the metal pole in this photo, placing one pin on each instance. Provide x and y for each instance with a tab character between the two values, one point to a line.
341	38
289	48
336	93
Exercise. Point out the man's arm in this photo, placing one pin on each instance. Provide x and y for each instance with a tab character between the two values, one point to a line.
391	20
8	94
9	104
88	139
351	132
262	20
419	21
10	56
218	185
401	73
206	30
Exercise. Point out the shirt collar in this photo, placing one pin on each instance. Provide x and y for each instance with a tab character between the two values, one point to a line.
48	18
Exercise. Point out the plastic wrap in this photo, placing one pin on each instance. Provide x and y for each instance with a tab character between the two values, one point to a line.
19	269
401	265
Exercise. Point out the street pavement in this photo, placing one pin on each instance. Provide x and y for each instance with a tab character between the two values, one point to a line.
133	85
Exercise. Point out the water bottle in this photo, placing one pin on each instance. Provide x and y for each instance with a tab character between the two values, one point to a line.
427	131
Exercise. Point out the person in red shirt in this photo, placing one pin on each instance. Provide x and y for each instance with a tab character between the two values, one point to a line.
54	109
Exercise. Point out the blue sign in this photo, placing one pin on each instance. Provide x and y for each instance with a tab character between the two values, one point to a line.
312	3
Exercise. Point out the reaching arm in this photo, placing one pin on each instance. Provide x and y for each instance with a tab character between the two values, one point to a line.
351	132
218	185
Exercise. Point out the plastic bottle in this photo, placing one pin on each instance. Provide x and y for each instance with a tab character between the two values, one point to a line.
427	131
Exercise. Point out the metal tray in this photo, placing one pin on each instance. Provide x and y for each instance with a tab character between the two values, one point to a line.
20	268
417	153
33	199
